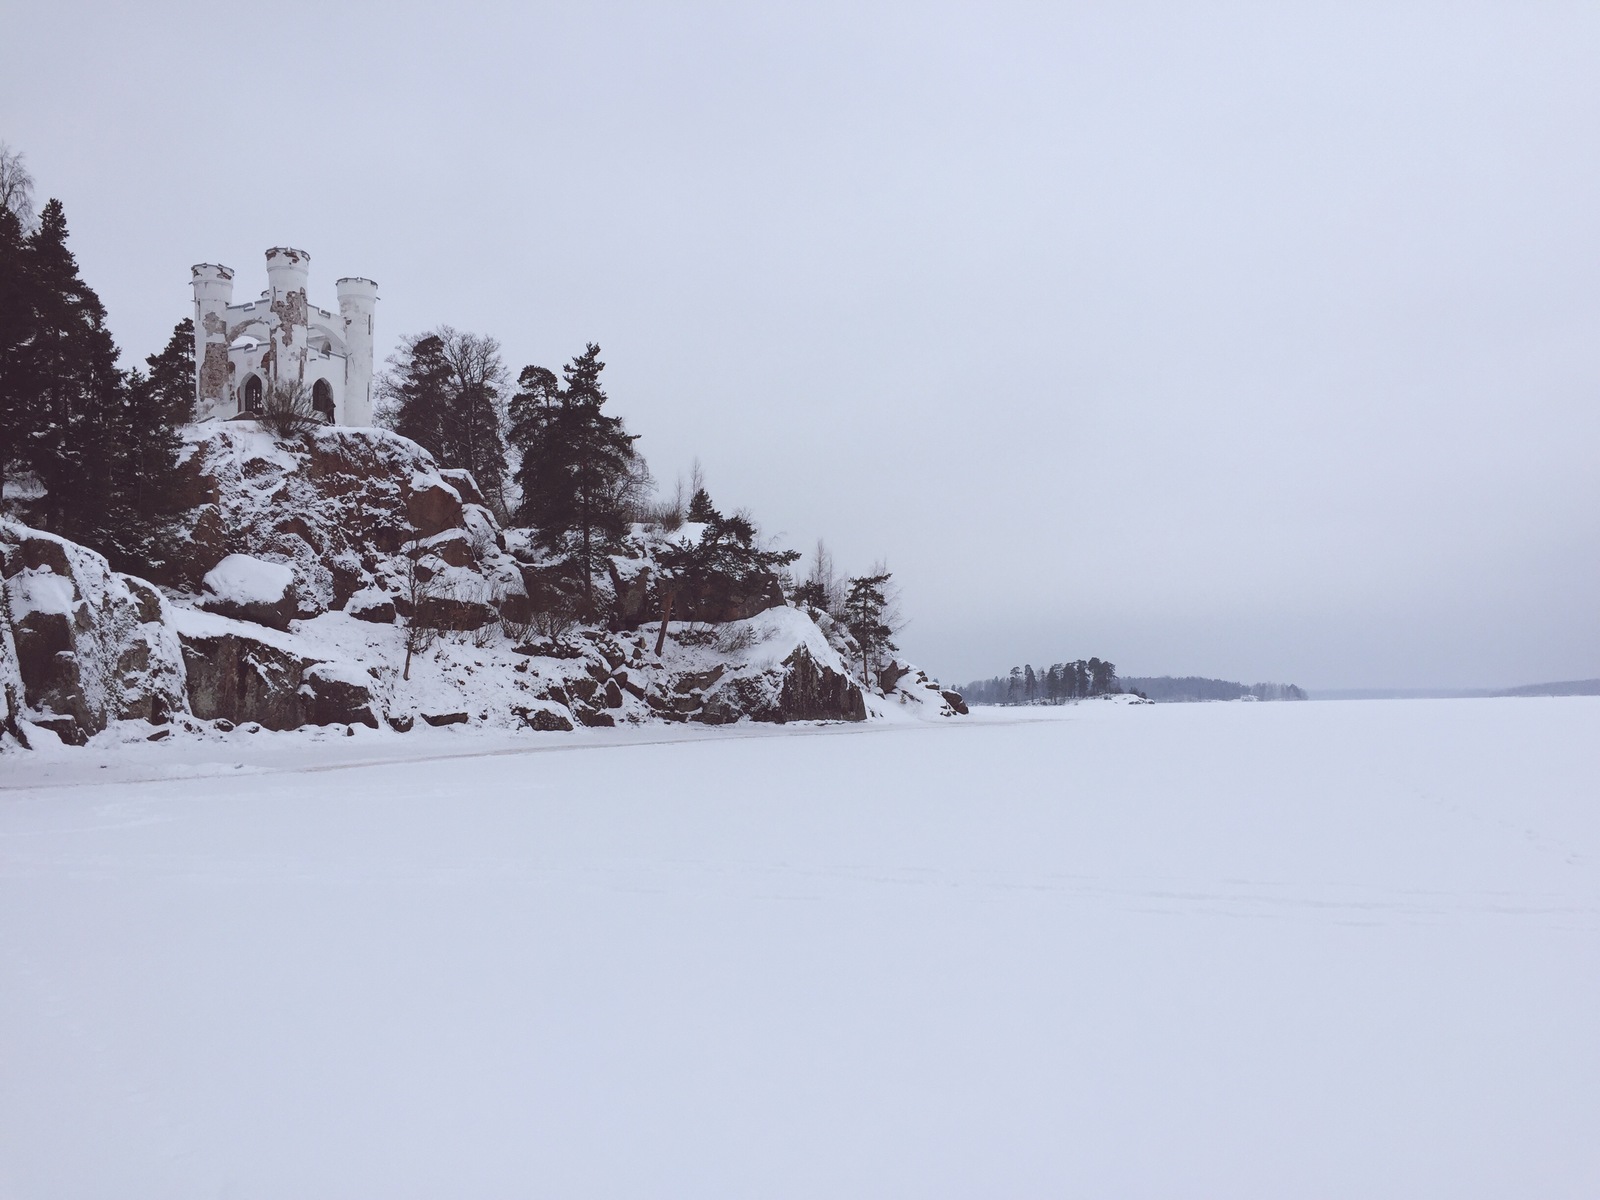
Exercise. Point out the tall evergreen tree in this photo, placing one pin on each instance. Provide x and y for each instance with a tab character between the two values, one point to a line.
417	388
866	612
18	388
442	390
158	403
136	529
78	390
574	459
700	507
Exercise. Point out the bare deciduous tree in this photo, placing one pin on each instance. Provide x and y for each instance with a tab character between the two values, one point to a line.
16	186
420	593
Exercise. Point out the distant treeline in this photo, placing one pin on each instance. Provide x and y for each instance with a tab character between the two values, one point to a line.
1052	685
1167	689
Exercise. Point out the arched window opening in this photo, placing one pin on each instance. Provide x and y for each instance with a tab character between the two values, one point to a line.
322	400
251	396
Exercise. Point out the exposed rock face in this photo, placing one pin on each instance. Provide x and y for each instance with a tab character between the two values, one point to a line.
339	507
82	645
433	508
241	678
775	666
816	693
307	554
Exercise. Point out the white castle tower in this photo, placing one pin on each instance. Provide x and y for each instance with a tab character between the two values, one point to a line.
281	340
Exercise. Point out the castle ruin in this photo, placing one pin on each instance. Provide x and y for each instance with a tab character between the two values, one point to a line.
243	352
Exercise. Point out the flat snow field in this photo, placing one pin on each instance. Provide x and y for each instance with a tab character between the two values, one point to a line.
1227	950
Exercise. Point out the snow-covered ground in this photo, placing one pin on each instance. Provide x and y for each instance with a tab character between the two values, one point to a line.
1268	950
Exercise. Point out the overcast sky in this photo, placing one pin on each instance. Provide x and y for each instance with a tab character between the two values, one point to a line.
1259	341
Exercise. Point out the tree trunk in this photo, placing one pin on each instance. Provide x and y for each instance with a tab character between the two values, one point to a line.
666	615
588	563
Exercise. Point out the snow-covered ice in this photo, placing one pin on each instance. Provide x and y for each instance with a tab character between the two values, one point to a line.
1269	950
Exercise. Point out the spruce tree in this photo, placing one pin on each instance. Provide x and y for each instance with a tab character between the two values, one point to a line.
158	403
700	507
78	392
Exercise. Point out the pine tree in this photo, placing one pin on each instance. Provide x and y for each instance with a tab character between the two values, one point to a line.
78	391
157	404
539	430
576	463
866	608
417	388
136	529
18	387
172	376
700	507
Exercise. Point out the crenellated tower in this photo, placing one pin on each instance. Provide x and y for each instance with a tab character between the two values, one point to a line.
358	301
287	272
213	292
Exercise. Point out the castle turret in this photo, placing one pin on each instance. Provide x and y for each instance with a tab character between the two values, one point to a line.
213	291
287	270
358	299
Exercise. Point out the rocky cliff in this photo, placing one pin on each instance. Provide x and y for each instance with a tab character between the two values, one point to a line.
343	579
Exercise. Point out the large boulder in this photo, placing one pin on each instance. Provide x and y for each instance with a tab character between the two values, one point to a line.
83	644
251	589
432	507
338	695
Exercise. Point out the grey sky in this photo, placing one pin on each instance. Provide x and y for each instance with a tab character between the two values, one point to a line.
1260	341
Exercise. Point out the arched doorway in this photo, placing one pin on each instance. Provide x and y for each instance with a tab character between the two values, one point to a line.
252	395
322	400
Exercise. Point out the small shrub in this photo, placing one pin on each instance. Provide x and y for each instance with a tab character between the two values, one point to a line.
287	410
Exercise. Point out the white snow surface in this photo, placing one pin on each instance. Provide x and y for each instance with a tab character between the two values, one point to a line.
1269	950
242	579
31	591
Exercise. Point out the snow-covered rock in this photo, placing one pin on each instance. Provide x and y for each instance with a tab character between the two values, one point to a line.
911	687
251	589
311	562
340	508
82	645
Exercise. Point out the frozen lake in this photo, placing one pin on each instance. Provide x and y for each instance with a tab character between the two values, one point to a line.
1233	950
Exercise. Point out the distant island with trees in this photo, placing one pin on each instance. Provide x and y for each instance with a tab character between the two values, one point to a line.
1086	678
